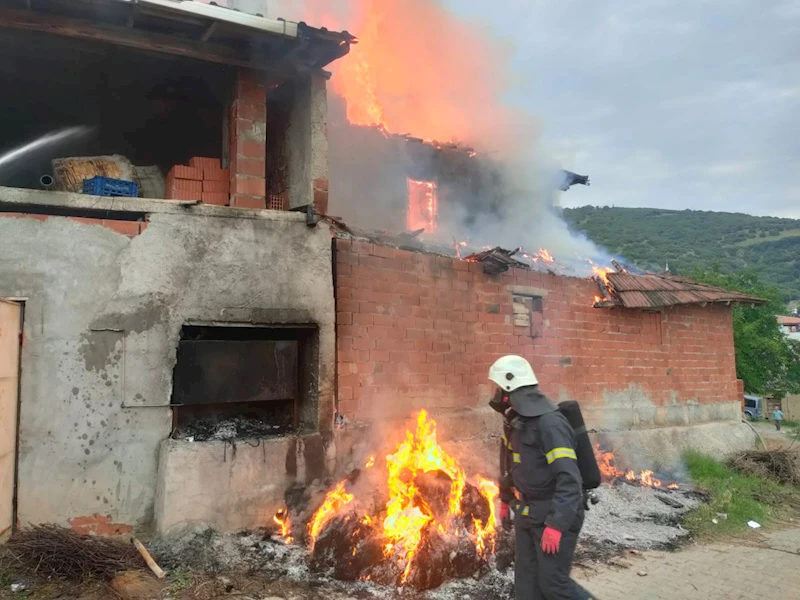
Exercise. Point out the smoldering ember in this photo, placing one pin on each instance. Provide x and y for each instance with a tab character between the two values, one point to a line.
256	333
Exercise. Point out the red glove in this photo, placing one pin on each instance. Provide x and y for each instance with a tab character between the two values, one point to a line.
504	512
551	540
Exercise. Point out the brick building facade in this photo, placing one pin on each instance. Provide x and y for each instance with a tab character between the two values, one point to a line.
416	330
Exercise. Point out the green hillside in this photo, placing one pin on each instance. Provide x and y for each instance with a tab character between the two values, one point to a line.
651	238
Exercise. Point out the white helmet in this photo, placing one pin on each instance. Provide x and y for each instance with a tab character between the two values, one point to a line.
512	372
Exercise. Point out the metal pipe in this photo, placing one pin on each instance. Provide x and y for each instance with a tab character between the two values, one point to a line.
47	182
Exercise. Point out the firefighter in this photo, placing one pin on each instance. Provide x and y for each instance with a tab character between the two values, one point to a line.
542	482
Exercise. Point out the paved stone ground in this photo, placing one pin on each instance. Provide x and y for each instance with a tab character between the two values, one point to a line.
739	570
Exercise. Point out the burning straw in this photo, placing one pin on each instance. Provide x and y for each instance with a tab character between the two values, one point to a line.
431	524
49	550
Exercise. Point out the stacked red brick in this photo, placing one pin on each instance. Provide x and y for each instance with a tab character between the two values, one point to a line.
203	180
415	330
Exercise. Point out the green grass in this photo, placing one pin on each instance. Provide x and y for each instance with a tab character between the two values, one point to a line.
754	241
180	579
742	497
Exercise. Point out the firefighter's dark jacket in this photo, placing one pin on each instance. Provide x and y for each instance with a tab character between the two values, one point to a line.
544	468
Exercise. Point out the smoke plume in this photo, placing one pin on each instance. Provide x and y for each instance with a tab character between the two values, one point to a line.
422	70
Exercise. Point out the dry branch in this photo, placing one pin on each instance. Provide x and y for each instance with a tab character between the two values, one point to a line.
780	465
49	550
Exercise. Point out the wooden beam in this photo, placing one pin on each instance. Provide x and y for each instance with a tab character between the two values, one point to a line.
210	31
140	40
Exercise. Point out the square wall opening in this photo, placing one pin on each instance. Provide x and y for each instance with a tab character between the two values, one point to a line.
245	382
152	109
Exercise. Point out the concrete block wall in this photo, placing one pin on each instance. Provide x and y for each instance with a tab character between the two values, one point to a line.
307	143
247	130
415	330
105	303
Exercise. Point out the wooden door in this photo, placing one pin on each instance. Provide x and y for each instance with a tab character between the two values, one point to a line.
10	327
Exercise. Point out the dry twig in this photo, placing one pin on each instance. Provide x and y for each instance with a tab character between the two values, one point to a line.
49	550
779	465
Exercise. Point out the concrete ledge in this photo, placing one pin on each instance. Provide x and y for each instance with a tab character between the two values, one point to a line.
614	416
209	483
25	198
661	449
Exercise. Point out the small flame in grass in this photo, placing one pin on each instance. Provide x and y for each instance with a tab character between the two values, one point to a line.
605	460
334	501
281	519
370	462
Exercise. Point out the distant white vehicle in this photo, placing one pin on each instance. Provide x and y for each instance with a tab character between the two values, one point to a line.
754	408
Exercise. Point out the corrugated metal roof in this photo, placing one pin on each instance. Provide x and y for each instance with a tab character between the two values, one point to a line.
658	291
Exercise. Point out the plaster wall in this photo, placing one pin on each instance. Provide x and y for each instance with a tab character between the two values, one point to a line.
103	317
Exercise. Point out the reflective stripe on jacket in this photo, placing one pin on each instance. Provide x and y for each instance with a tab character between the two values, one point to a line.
545	469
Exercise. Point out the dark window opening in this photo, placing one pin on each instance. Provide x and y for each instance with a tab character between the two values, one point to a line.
279	106
244	382
153	110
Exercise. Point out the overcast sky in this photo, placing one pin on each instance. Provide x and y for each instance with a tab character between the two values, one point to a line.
664	103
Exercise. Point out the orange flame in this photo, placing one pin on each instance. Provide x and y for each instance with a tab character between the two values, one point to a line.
602	274
486	532
419	453
605	460
281	518
408	514
422	205
370	462
334	502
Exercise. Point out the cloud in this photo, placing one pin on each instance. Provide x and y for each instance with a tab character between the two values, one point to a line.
677	104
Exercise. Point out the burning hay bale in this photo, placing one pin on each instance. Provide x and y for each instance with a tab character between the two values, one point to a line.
50	550
432	524
779	465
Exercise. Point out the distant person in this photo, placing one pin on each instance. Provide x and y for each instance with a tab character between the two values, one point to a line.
777	416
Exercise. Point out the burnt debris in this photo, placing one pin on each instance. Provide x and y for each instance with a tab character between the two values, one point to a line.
497	260
352	549
228	430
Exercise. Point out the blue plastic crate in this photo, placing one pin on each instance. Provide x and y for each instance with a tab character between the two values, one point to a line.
106	186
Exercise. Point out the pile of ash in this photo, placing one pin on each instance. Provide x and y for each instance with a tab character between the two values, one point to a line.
211	553
634	517
237	428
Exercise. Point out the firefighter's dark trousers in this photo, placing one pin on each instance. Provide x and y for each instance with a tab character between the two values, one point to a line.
540	576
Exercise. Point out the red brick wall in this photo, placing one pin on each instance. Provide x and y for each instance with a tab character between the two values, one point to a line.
248	141
421	331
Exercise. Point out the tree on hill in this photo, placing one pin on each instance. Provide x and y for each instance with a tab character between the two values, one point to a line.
766	360
690	239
